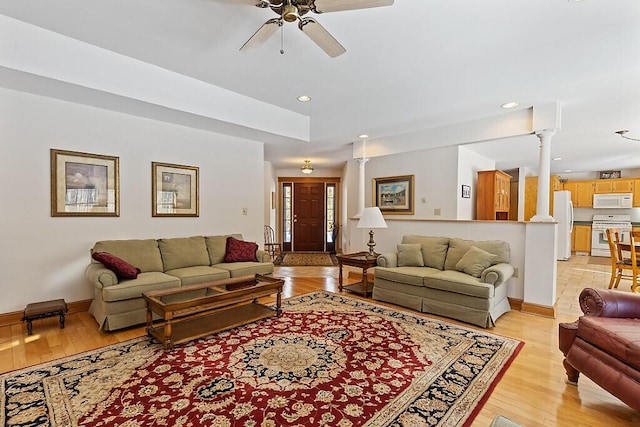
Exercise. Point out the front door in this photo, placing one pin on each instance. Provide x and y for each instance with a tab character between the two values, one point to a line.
308	216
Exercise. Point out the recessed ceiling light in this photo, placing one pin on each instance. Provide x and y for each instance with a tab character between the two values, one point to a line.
568	170
304	98
557	158
363	136
510	105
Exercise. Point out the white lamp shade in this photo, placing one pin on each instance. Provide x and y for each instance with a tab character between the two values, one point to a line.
372	218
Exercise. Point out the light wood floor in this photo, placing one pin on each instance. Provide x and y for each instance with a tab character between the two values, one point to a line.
533	391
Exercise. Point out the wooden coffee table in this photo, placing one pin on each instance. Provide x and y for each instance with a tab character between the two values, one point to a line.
362	260
191	312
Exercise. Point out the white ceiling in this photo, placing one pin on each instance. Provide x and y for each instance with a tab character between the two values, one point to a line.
418	64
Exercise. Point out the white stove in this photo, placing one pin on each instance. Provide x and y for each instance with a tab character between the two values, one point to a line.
599	243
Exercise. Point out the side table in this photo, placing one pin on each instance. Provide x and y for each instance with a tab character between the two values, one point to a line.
362	260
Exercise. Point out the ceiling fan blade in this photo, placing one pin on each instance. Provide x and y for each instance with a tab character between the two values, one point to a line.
258	3
263	33
321	37
322	6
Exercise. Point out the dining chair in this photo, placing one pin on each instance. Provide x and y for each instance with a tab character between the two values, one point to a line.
622	267
634	239
273	248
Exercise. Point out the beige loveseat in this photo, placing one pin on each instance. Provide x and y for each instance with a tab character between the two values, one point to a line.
163	264
461	279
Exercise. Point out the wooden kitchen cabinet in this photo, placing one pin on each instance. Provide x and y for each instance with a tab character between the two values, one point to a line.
620	185
531	194
493	195
581	193
581	238
636	193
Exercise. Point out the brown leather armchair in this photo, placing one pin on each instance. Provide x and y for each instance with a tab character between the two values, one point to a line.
604	344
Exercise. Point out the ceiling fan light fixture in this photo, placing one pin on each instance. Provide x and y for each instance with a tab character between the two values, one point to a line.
307	168
290	12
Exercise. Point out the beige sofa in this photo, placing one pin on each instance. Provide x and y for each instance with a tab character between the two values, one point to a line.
461	279
163	264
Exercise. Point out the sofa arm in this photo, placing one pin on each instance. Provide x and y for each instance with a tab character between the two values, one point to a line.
100	276
389	259
497	274
263	256
609	303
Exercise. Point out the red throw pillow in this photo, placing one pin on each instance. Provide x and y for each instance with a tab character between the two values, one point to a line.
239	250
122	268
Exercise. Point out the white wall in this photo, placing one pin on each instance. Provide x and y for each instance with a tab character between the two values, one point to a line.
317	173
270	185
44	257
436	179
469	163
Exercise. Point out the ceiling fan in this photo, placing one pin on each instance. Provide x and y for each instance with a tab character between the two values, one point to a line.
294	10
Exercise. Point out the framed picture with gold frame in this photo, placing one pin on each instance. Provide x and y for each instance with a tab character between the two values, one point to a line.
174	190
394	195
84	184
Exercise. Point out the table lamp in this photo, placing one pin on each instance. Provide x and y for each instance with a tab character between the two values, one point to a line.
371	218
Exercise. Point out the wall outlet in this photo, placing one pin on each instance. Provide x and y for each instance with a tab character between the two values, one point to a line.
245	211
437	211
516	271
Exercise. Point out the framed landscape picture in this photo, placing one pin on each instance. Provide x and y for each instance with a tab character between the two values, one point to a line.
84	184
174	190
394	194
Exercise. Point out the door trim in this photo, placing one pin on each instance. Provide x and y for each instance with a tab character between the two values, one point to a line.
327	180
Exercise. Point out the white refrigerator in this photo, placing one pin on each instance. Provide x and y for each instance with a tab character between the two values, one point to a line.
563	214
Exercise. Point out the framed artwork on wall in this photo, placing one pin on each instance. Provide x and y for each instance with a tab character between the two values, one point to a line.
610	174
174	190
394	195
84	184
466	191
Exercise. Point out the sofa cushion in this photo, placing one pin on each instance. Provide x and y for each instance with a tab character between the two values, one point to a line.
434	249
217	247
240	251
459	247
475	261
145	282
143	254
410	275
238	269
120	267
620	337
410	255
198	274
181	252
459	283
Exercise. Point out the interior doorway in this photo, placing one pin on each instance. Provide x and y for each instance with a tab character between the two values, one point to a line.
308	214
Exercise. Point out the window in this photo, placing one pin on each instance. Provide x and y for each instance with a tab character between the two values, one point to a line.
287	208
331	217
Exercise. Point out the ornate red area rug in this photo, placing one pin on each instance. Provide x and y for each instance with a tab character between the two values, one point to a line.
329	360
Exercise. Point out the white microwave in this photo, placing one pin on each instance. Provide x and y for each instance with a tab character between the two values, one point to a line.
613	201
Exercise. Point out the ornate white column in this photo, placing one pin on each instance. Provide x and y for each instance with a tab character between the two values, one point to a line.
544	177
361	162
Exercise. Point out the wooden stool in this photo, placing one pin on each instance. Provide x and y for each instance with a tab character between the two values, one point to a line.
40	310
